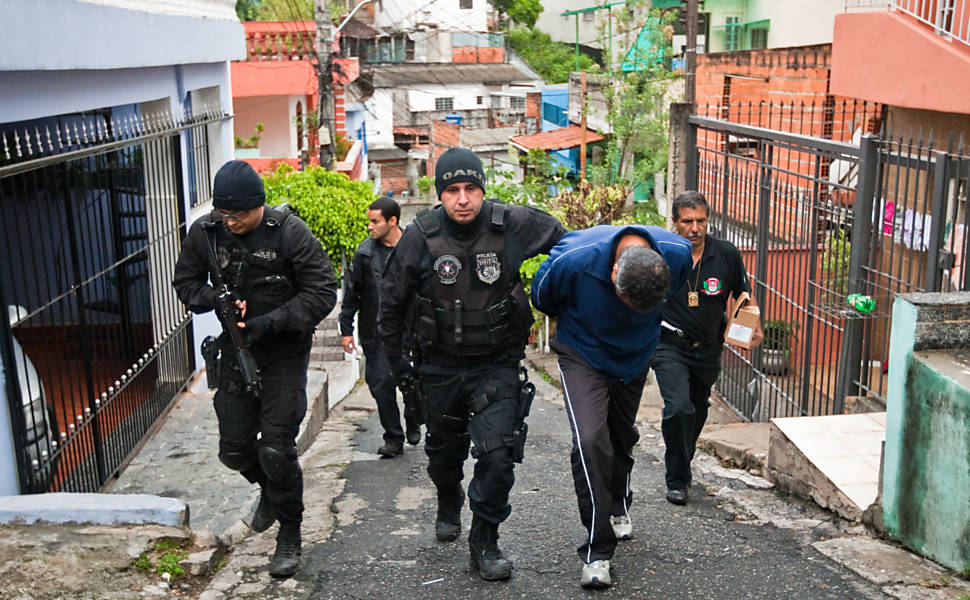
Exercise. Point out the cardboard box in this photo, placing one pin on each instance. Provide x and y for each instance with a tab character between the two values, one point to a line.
743	319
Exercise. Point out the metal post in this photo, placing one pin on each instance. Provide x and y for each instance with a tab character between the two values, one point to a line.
941	185
850	354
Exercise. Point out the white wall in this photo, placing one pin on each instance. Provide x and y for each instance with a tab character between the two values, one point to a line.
422	97
797	22
563	29
380	119
405	15
61	35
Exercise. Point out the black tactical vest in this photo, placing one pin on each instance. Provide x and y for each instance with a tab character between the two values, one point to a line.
472	303
253	269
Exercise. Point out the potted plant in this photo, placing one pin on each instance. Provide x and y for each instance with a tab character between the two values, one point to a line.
249	148
776	347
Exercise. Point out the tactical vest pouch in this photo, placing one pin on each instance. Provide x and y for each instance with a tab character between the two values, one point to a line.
522	317
424	322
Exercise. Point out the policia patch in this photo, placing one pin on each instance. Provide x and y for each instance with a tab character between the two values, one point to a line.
447	268
488	267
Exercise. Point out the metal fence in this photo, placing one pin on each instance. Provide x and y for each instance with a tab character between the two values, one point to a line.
97	345
783	183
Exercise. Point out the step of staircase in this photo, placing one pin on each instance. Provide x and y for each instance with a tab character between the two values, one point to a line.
834	460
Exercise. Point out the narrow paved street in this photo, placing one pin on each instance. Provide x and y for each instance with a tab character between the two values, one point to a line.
727	543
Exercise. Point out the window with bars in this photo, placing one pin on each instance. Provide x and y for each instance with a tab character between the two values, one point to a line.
465	4
732	34
759	38
517	102
444	103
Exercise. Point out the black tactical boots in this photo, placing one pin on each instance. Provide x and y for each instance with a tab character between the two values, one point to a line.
286	559
485	555
265	515
447	525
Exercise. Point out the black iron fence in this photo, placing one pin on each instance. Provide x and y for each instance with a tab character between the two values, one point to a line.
92	213
786	184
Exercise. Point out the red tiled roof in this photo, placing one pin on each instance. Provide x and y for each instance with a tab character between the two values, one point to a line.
566	137
411	130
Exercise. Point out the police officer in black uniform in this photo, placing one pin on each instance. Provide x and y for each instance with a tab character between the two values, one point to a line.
362	295
284	284
688	357
453	282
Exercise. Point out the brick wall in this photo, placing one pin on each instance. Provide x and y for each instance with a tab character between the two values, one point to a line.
393	178
776	75
443	136
464	54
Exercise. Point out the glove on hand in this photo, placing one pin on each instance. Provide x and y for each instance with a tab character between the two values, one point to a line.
257	327
401	369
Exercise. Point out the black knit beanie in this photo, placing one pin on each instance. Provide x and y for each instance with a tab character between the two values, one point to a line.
456	165
237	187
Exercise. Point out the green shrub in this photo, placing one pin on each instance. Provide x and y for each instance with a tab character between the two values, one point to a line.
333	206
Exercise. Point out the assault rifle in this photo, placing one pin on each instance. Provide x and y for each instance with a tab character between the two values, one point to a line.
230	315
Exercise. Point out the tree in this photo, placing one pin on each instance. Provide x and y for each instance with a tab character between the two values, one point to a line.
247	10
274	10
637	110
520	12
552	60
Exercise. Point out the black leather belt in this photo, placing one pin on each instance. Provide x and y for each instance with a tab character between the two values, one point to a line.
680	340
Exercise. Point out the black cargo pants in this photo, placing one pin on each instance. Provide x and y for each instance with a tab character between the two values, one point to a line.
472	406
274	415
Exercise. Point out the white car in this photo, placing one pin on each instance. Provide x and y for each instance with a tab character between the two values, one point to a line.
39	421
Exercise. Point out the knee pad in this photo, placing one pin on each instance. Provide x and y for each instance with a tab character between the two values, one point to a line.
237	461
275	463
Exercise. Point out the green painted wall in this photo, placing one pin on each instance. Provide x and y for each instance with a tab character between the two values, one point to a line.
926	463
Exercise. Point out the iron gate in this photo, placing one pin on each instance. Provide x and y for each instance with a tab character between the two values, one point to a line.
784	185
92	214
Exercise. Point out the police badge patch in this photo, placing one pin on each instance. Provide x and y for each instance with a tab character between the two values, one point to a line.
488	267
447	268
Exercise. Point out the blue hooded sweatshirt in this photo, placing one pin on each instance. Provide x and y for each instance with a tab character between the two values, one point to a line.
574	284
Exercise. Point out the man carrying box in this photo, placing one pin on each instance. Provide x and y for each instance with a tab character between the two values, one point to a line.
688	357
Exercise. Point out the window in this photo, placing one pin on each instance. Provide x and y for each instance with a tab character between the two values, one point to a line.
759	38
517	102
589	16
444	103
465	4
732	34
479	100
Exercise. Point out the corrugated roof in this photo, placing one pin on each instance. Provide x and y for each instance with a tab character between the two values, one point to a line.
444	73
474	138
394	153
566	137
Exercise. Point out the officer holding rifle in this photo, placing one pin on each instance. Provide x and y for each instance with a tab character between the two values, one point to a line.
270	283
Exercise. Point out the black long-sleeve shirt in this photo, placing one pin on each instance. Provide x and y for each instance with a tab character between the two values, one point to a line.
362	292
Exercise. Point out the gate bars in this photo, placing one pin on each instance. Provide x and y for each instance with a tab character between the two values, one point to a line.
785	187
92	214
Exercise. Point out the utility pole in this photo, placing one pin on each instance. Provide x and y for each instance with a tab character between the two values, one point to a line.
327	131
690	66
582	134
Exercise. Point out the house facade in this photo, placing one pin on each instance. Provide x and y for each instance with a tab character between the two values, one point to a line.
115	115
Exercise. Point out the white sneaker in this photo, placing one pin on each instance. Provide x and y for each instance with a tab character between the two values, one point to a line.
622	527
596	575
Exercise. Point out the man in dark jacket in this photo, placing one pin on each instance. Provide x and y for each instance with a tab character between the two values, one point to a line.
453	282
283	284
362	295
688	358
605	285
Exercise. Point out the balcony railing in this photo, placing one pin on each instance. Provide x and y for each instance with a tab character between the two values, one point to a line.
949	19
280	40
